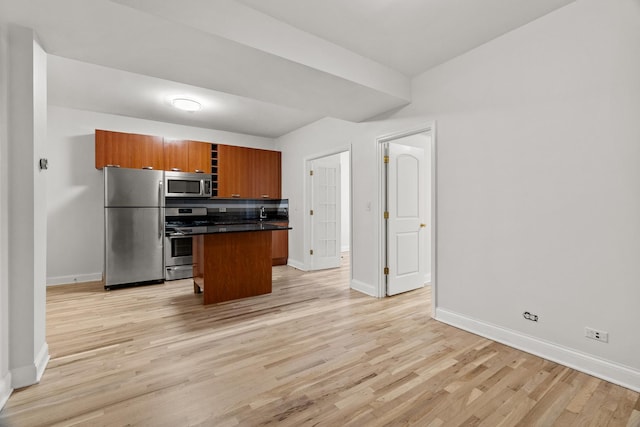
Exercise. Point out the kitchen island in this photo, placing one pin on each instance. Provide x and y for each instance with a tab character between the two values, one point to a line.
232	261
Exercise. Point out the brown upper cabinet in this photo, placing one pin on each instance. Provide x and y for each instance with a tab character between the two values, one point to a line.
235	171
187	156
176	155
128	150
199	157
248	173
268	174
238	172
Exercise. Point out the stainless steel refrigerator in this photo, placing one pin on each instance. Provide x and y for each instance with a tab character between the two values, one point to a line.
133	226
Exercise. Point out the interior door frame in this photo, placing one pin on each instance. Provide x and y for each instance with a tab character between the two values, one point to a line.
307	203
382	246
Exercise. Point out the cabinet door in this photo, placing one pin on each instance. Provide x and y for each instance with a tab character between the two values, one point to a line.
235	171
176	155
280	246
129	150
148	152
199	157
112	148
267	176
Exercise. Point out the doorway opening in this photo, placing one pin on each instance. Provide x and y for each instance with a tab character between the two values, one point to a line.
328	242
408	205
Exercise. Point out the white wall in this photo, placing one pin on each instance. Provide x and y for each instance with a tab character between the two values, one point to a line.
345	215
27	127
5	375
75	196
539	186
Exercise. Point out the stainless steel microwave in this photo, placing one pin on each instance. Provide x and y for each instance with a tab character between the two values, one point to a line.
185	184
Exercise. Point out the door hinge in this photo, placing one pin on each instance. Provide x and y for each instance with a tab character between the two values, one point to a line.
311	252
311	212
386	215
311	172
386	270
386	159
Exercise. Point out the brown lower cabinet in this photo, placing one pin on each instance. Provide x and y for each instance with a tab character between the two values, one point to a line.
280	246
229	266
279	251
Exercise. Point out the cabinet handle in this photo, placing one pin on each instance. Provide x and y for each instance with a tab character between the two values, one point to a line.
113	166
199	171
148	168
235	195
176	170
265	196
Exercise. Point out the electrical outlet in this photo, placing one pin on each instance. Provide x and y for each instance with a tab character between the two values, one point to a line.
597	335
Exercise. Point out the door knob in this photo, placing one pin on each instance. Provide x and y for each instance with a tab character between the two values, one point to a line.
423	225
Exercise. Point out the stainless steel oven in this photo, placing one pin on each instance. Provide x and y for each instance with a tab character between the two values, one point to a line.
178	248
178	256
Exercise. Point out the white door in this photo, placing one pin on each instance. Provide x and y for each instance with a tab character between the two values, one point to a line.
325	213
406	256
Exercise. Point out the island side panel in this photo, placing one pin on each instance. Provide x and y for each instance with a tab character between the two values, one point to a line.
198	263
236	265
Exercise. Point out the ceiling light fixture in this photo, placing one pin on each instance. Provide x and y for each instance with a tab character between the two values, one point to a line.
186	104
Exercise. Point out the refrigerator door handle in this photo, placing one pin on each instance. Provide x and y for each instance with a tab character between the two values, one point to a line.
160	216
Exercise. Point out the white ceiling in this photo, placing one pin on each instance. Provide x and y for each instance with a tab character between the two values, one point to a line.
261	67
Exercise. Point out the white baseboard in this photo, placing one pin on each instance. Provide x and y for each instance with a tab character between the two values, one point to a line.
427	279
42	360
296	264
365	288
78	278
5	389
604	369
30	374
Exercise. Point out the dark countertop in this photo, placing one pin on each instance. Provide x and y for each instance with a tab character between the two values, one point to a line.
230	228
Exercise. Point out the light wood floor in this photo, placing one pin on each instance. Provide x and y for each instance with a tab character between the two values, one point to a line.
311	353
